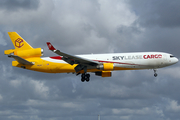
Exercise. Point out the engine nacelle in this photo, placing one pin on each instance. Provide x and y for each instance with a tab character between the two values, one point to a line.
37	52
103	73
106	66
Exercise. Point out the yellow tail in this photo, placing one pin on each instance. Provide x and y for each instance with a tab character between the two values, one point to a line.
18	41
22	48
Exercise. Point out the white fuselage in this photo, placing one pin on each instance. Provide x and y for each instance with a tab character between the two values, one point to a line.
139	60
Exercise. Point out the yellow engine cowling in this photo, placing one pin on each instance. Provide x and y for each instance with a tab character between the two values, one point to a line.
104	73
106	67
37	52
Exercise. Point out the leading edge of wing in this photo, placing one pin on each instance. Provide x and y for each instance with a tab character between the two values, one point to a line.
71	59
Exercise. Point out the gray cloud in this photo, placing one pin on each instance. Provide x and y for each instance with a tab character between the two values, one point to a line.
15	5
157	13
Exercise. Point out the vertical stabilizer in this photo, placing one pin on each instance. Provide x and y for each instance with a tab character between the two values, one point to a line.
18	41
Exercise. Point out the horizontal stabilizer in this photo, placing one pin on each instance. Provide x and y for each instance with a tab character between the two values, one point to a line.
7	52
21	60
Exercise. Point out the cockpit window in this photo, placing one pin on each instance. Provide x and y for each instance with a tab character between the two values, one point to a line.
171	56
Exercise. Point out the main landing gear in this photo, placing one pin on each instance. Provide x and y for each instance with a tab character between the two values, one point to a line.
85	77
155	74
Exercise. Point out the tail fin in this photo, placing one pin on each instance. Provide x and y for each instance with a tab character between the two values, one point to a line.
22	48
18	41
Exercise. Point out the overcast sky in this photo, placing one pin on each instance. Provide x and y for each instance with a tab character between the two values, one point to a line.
91	26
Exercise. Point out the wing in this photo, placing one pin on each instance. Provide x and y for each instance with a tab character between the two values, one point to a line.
83	63
21	60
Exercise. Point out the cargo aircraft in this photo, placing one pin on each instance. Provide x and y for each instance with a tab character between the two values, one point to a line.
27	57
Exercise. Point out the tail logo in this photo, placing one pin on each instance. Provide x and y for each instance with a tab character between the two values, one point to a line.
19	43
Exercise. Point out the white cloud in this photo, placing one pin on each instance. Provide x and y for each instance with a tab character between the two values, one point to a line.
40	88
6	112
15	117
92	27
172	71
142	111
15	83
55	104
173	106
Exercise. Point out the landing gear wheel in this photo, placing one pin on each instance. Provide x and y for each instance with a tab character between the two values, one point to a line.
155	74
82	80
85	77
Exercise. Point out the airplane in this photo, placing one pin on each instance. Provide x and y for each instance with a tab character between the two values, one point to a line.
27	57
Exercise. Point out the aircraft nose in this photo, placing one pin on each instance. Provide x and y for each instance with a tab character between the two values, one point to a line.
175	60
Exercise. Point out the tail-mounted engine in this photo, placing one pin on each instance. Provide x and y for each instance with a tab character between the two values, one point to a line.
35	52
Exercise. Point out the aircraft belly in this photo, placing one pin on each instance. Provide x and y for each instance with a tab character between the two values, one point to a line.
129	66
60	67
123	68
138	64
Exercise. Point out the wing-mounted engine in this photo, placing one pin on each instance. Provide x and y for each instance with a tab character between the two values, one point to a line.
35	52
103	73
106	67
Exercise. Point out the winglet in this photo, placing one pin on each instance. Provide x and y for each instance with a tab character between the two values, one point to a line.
50	46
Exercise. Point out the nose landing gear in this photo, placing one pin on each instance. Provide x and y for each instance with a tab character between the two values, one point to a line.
155	74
